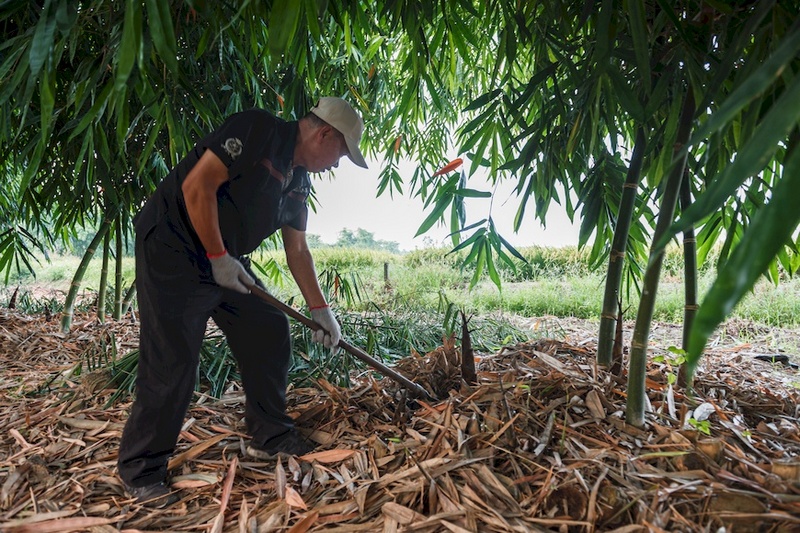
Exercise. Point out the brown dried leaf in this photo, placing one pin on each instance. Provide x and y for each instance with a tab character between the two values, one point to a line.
193	452
59	525
401	514
305	523
280	479
594	404
294	499
329	456
191	481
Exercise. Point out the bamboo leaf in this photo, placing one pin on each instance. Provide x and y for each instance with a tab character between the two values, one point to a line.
284	19
734	52
754	85
477	245
129	46
480	262
496	242
752	158
472	193
95	111
42	44
66	15
659	94
640	43
313	14
458	216
483	99
33	167
474	237
163	32
604	38
770	229
47	94
436	214
493	274
627	98
511	249
10	58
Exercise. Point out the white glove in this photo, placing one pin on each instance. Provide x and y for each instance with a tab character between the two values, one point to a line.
228	272
331	333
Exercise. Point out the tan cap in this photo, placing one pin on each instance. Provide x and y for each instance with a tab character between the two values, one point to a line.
338	113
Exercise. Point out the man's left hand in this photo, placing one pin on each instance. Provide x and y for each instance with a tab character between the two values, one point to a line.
331	333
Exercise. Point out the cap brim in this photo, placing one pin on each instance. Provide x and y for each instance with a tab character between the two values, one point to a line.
355	154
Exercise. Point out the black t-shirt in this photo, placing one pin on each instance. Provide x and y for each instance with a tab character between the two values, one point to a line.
262	195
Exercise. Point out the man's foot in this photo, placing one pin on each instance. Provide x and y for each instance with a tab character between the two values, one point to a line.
289	443
156	495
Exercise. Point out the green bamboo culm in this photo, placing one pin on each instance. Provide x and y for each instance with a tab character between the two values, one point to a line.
102	290
634	410
126	302
771	228
608	317
69	303
689	276
118	272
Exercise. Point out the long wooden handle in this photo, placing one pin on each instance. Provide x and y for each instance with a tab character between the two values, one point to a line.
349	348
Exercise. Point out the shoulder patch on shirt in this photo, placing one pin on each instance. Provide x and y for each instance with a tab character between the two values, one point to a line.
233	147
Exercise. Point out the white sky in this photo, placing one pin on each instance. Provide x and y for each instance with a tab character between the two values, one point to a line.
348	201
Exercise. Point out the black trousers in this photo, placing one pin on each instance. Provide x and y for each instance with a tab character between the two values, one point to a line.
176	299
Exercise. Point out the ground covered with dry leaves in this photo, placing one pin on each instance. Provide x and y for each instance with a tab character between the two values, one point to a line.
540	444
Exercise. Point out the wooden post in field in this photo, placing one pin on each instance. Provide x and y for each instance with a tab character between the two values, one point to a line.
386	275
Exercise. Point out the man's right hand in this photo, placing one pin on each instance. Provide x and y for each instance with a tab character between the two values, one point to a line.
228	272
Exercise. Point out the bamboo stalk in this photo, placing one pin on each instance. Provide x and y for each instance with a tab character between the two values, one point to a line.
126	302
467	353
102	291
118	272
608	317
689	275
69	303
634	413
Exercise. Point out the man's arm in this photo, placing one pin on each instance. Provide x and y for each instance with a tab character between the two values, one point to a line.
200	195
301	264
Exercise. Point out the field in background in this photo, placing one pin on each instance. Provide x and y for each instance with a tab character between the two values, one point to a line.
392	305
555	281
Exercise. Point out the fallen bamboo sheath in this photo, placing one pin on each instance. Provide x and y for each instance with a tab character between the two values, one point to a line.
346	346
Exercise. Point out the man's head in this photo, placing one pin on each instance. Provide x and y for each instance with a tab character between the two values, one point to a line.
335	131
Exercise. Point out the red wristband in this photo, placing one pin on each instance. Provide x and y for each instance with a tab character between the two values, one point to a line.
318	307
216	256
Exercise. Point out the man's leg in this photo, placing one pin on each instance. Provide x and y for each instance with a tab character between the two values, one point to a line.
173	317
258	335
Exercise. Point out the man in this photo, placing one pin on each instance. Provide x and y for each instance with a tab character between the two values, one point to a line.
240	184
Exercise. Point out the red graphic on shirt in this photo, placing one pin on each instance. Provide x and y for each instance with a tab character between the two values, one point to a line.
274	172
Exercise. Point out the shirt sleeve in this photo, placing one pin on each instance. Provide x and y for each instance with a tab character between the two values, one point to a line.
300	221
239	141
297	201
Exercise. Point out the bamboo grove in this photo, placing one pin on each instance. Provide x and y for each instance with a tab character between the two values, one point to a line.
647	120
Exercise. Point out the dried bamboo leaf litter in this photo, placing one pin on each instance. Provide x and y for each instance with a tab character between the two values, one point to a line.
540	444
